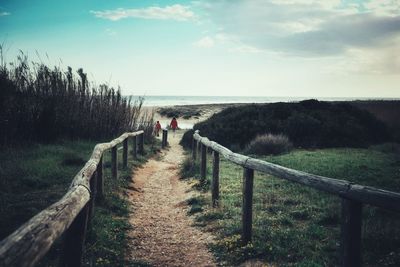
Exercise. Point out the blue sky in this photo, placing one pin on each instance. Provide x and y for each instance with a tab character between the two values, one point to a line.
220	47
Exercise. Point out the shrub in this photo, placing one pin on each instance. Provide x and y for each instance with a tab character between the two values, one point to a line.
268	144
39	103
308	124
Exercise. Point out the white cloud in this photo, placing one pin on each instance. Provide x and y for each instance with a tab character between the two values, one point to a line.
306	27
383	7
110	32
173	12
205	42
245	49
4	14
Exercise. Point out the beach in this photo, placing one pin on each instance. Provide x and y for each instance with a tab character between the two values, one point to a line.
205	111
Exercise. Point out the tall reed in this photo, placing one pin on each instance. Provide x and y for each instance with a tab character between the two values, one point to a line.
39	103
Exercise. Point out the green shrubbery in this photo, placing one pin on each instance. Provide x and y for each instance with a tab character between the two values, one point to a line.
39	103
269	144
185	112
308	124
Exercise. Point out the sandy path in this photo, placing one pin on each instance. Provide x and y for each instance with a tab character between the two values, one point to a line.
162	234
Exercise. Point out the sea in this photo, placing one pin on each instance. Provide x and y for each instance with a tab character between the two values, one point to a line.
162	101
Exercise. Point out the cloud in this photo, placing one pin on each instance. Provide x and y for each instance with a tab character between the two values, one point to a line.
205	42
3	13
173	12
110	32
383	7
307	28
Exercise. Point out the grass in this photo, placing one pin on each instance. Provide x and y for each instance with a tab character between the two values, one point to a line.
34	177
298	226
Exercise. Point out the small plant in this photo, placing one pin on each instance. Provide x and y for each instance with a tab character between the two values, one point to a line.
269	144
188	168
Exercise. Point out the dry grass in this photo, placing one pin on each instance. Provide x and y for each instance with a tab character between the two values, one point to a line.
269	144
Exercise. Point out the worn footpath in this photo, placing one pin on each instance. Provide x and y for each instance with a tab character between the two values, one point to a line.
162	234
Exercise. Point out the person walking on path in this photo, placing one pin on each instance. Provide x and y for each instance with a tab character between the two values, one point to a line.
174	125
157	128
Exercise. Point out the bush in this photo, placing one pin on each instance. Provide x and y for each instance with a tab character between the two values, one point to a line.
268	144
39	103
308	124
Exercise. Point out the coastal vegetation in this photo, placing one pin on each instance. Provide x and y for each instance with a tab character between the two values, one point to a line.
268	144
186	112
40	103
50	121
294	225
308	124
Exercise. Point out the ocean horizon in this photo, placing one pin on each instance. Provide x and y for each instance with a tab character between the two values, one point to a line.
157	101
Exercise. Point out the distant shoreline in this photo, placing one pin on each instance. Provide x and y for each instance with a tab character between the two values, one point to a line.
167	101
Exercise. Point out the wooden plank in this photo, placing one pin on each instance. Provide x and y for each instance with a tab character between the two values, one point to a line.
100	181
74	240
203	164
351	233
114	162
215	180
134	147
125	154
247	208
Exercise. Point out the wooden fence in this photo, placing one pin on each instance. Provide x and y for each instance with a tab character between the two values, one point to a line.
70	215
353	195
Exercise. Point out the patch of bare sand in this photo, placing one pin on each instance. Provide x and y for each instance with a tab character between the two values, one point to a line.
206	111
162	233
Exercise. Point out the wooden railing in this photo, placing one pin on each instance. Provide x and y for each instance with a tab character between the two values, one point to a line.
353	195
70	215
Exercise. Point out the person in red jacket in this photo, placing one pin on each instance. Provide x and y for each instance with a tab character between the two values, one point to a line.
174	125
157	128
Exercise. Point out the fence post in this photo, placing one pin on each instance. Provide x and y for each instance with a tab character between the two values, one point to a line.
247	212
351	233
74	240
194	148
215	180
141	144
203	166
100	181
198	148
125	154
164	141
134	147
114	162
93	193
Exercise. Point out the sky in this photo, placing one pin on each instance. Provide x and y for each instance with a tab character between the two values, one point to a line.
296	48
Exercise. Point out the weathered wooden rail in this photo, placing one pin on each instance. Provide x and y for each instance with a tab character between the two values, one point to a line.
353	195
70	215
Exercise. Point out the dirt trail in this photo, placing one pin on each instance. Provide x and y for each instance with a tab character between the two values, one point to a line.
162	233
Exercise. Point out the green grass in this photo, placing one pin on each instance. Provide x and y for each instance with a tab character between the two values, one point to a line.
297	226
32	178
